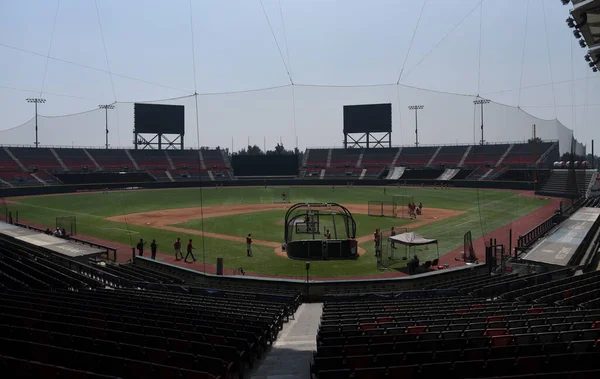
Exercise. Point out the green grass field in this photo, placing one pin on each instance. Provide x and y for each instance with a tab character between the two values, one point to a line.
485	211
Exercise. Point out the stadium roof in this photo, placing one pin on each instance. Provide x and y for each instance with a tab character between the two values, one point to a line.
586	16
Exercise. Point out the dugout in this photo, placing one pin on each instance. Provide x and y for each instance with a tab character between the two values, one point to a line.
306	226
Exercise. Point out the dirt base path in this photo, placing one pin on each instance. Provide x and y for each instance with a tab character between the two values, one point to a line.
164	219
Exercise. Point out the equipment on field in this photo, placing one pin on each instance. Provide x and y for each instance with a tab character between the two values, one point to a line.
397	208
404	246
68	223
320	231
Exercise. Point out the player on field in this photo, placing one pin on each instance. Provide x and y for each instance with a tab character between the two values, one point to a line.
177	246
249	245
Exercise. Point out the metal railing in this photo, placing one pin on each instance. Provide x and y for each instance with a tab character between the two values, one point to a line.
526	240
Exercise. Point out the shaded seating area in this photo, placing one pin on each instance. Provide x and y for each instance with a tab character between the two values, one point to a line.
317	158
150	159
449	156
415	156
111	159
75	158
40	158
481	155
449	336
63	318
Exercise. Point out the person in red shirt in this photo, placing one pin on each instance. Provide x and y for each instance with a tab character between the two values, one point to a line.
249	245
190	248
177	246
327	235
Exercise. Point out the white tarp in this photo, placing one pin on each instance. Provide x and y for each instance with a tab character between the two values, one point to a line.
412	239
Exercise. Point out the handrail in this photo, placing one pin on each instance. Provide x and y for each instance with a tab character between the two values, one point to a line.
526	240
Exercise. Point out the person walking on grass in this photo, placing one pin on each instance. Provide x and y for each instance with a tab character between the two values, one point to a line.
153	248
190	248
177	246
249	245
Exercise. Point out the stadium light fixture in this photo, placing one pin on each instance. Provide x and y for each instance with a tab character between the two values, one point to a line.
594	69
36	101
481	102
565	2
570	22
587	58
576	33
106	107
416	108
582	43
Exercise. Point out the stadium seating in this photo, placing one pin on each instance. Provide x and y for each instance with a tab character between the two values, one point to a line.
189	159
47	177
7	163
18	178
111	159
151	159
481	155
567	183
452	337
159	175
415	156
52	324
213	159
378	157
345	157
41	158
317	158
75	158
449	156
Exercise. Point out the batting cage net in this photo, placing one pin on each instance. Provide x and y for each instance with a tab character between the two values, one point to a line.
282	195
401	209
389	252
381	208
68	223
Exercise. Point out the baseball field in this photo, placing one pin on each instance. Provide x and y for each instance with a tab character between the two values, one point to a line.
228	214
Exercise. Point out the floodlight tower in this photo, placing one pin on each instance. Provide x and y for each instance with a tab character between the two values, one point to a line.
106	107
36	101
416	109
481	102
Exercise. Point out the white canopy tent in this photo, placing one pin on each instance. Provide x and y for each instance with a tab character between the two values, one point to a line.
412	240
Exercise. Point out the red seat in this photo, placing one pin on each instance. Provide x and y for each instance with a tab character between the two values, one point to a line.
502	340
384	319
416	329
596	325
495	332
534	311
495	318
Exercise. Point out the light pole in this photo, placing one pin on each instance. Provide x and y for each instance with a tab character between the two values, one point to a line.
36	101
106	107
416	108
481	102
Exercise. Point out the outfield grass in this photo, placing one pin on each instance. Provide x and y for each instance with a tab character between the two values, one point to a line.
485	211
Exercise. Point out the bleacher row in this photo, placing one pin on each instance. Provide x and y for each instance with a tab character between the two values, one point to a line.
17	164
352	162
57	322
517	326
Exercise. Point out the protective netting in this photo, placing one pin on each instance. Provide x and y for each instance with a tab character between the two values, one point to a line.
310	117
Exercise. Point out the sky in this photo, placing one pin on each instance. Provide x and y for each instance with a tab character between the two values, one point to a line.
275	70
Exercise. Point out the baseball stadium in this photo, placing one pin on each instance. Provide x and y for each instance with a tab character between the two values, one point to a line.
181	237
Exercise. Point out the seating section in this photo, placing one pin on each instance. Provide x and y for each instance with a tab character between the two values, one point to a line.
566	183
7	163
453	337
40	158
213	159
449	156
317	158
150	159
18	178
111	159
524	154
415	156
186	159
56	322
345	157
75	159
47	177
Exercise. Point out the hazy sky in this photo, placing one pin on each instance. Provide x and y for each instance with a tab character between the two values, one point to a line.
149	48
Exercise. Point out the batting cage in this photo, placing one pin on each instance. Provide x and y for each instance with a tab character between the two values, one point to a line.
68	223
319	231
397	208
282	195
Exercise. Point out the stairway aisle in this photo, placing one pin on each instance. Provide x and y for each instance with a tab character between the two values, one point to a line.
291	354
